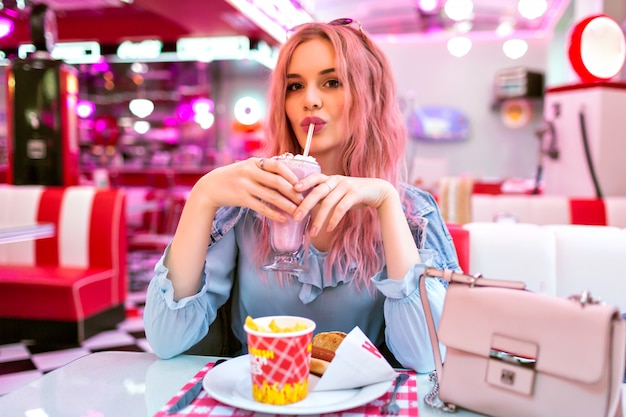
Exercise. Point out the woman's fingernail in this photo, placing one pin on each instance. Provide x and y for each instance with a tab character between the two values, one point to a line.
313	231
298	216
298	186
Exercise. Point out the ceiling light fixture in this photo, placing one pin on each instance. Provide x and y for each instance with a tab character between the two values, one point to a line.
463	26
141	107
275	17
459	46
141	126
515	48
207	49
427	6
459	9
505	27
532	9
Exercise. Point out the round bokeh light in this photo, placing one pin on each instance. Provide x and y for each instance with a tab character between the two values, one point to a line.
247	111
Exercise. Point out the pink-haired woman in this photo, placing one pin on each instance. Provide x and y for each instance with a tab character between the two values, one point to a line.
370	234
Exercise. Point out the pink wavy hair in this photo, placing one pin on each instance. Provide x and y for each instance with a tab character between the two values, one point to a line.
375	129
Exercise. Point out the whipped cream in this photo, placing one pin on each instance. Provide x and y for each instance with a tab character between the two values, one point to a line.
289	155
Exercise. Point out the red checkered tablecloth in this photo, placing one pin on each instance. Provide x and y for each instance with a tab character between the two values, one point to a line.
204	405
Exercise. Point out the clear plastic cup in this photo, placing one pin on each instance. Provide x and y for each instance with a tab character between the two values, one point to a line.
286	238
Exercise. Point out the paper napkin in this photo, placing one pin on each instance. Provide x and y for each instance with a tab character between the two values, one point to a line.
357	363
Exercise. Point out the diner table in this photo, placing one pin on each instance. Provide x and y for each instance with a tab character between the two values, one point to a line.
136	384
19	233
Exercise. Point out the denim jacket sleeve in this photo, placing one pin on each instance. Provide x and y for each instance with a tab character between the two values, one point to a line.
225	219
428	227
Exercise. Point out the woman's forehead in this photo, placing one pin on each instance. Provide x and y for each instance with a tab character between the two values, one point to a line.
312	55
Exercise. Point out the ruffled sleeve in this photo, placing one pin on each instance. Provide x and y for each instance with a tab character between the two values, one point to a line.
406	333
173	326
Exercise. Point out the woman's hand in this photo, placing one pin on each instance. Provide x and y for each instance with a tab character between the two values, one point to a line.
261	184
336	195
266	187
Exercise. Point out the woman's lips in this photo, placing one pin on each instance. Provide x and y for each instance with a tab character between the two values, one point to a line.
317	121
318	127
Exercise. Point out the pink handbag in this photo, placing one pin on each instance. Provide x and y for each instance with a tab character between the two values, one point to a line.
514	353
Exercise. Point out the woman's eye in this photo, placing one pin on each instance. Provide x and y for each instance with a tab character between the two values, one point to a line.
294	86
333	83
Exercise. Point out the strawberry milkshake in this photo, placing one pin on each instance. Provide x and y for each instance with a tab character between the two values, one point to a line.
287	237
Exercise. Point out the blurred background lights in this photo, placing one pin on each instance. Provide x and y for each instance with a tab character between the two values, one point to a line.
459	9
141	126
505	27
247	111
6	27
139	68
427	5
532	9
202	112
184	112
205	120
515	48
141	107
459	46
85	108
99	66
202	105
170	121
463	26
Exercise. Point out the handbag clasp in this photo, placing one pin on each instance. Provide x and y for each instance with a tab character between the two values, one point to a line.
585	298
512	358
512	371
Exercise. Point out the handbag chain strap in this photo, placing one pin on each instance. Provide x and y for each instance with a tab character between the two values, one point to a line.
432	400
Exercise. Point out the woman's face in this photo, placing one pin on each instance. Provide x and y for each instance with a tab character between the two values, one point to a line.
315	95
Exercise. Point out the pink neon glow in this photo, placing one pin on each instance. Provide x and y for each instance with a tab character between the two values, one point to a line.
101	66
170	121
85	108
184	112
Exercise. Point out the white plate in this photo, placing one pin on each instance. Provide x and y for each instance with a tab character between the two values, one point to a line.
230	383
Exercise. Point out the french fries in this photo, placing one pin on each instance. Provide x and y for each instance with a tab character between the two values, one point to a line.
273	327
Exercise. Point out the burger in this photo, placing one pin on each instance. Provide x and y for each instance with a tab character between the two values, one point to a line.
325	344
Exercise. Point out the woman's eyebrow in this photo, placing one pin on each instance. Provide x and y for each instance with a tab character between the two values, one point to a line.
322	72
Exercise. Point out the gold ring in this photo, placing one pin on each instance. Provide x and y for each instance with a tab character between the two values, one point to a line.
261	162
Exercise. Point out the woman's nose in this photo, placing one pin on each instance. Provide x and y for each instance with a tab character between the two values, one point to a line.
313	100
